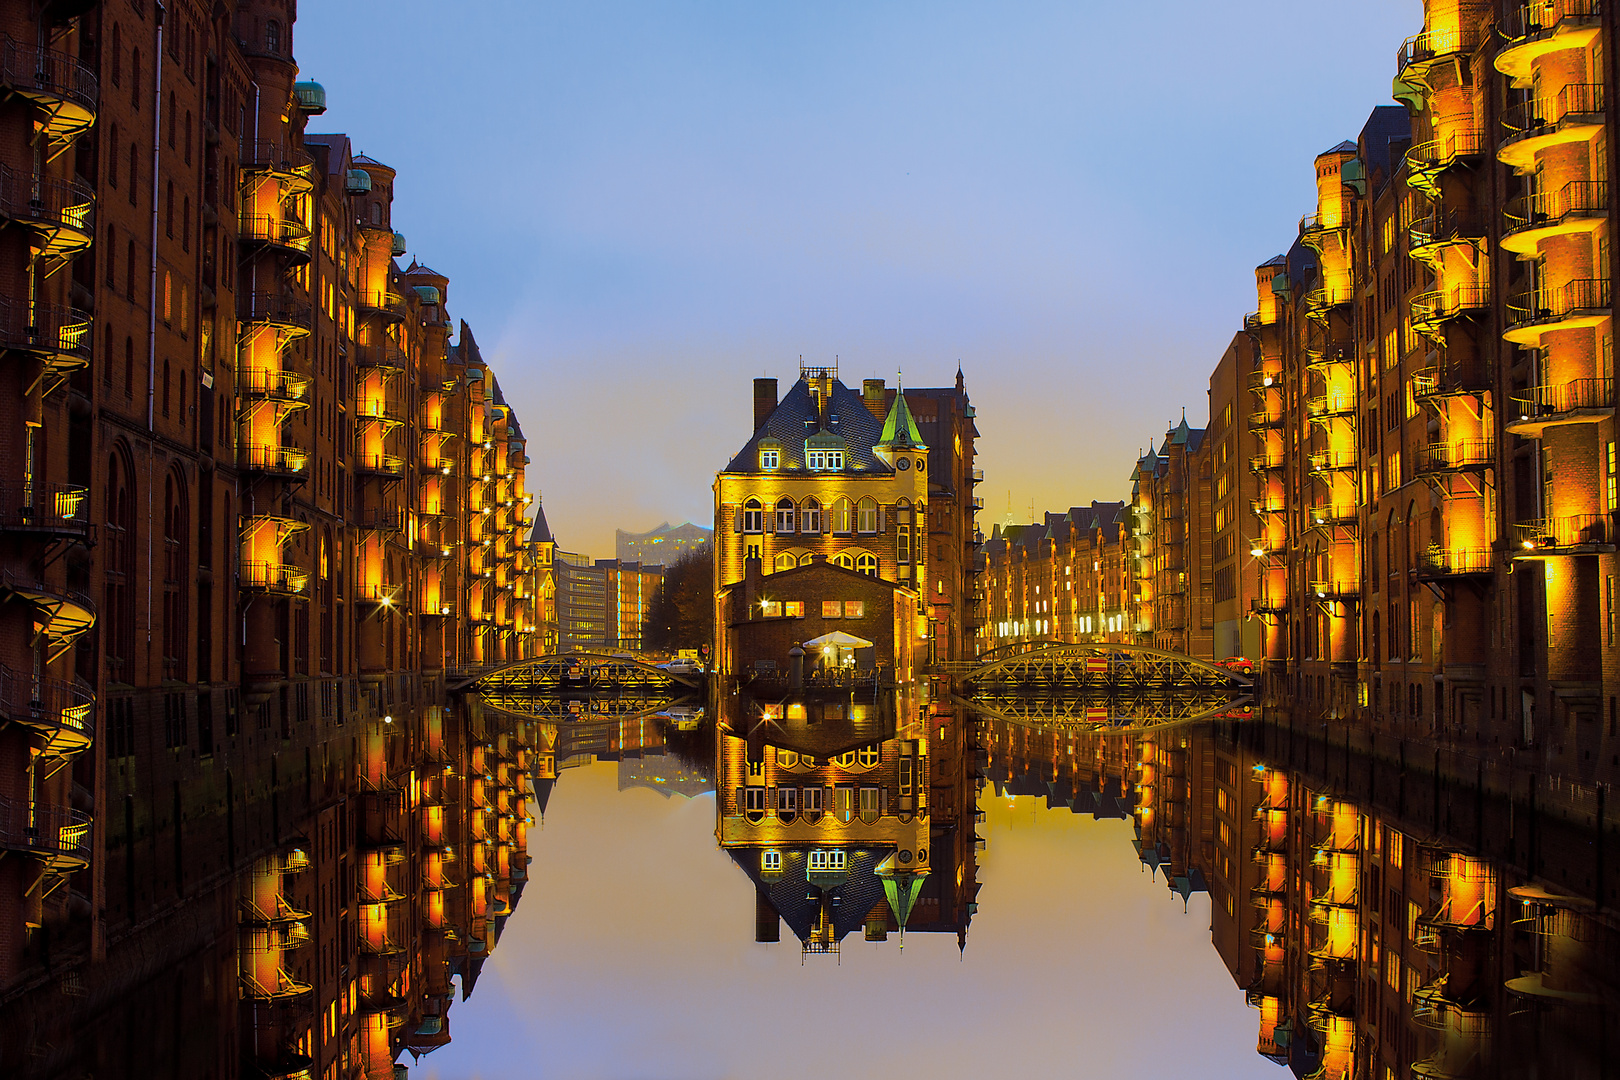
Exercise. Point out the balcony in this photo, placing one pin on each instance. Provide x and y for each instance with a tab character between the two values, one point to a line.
393	1009
1271	459
284	461
1319	302
61	214
388	466
58	336
1442	228
1329	514
1266	418
1427	161
385	356
1572	115
1331	406
440	607
274	579
433	463
290	165
1579	401
379	408
1317	236
1533	30
283	387
279	912
1267	504
287	235
1432	310
47	511
60	614
1469	455
1577	534
1261	382
61	712
1580	302
288	315
278	986
57	835
1417	53
1580	206
1329	461
64	88
1458	379
1438	564
382	520
385	302
1343	592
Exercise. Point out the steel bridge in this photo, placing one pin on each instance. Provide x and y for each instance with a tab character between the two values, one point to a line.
1096	686
577	674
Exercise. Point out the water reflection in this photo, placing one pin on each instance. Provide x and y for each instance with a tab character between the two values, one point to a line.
1381	915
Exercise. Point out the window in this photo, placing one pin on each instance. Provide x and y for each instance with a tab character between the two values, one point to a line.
770	459
866	563
810	517
824	460
785	514
832	609
867	514
843	559
754	800
869	804
841	517
786	561
868	757
827	861
771	861
793	609
854	609
770	609
812	801
753	517
787	801
272	37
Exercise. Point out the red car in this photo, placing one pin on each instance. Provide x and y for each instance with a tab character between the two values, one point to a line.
1240	665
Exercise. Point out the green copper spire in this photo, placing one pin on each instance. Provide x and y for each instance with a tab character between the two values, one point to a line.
900	429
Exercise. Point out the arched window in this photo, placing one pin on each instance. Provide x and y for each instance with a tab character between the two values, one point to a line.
165	388
785	513
786	561
902	529
1377	642
129	367
1411	538
272	37
843	559
868	757
867	515
841	517
135	85
376	213
866	563
806	559
117	55
810	517
753	517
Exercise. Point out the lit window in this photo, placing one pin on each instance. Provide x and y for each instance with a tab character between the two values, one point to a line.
770	609
770	459
827	861
843	559
786	561
793	609
810	519
771	860
854	609
784	515
753	517
868	757
866	563
832	609
869	804
841	516
867	515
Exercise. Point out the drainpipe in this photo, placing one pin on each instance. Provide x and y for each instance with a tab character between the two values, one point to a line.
151	318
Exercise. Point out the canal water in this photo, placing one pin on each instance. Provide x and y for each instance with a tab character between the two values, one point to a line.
1241	898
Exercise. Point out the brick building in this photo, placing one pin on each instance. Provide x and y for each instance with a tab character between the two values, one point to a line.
256	505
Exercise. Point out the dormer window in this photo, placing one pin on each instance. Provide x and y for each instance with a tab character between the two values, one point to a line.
824	460
770	459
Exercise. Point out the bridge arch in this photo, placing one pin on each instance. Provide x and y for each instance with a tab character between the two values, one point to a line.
584	671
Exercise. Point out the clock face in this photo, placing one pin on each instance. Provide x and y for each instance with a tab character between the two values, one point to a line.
903	464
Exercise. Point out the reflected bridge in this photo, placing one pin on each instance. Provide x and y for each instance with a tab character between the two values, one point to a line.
582	688
1096	686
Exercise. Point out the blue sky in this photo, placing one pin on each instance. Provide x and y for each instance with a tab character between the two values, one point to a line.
631	955
642	207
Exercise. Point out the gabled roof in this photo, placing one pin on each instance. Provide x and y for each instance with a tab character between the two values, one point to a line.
796	418
798	901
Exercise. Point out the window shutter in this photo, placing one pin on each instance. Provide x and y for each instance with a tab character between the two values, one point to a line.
737	521
883	517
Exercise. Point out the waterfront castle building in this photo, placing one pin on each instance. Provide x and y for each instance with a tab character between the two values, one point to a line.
255	505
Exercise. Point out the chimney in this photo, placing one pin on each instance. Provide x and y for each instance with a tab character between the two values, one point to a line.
764	401
876	398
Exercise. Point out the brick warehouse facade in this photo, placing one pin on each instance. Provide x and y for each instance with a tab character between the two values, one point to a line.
256	505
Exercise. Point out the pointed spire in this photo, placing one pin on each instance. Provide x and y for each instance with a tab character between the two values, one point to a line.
900	429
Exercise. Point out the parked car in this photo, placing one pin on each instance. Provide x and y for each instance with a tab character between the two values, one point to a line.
680	666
